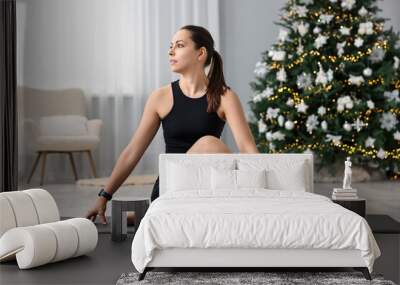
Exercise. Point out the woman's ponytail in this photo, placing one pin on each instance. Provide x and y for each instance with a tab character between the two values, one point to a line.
217	86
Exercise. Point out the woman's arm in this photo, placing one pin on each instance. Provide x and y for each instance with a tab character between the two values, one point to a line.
237	122
141	139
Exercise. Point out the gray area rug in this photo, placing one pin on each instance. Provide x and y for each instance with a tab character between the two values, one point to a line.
230	278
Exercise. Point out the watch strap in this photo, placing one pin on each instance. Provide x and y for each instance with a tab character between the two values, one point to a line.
105	194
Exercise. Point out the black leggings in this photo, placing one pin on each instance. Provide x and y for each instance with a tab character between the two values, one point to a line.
156	191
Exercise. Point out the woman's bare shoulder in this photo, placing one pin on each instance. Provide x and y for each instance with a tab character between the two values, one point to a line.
161	92
160	99
229	97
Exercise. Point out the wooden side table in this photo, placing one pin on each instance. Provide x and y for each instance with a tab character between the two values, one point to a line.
118	215
355	205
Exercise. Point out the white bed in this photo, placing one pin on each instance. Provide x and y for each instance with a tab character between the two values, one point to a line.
282	225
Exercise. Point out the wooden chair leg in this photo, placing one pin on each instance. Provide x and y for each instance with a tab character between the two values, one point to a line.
39	154
43	167
71	159
92	164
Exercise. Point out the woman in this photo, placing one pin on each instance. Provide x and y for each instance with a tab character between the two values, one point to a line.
192	110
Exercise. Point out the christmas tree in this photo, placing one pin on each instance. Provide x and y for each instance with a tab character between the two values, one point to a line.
330	85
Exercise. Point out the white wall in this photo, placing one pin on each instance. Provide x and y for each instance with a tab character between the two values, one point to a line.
247	30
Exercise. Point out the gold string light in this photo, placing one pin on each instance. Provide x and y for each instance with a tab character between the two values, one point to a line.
332	58
348	149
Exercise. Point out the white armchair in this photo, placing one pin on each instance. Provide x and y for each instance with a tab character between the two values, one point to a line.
31	231
66	134
55	121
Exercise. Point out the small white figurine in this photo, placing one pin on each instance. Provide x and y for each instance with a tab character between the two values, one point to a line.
347	174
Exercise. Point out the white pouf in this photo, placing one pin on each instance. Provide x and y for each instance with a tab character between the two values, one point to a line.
31	232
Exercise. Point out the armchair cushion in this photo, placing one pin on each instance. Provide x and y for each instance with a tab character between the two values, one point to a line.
68	133
94	127
65	125
67	143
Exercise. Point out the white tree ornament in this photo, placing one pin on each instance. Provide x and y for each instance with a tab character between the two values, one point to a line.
370	142
358	124
396	63
283	34
321	110
320	41
381	153
367	72
345	31
304	80
358	42
272	113
261	69
268	92
324	125
289	125
366	28
302	107
370	104
302	28
279	55
388	121
326	18
262	127
281	75
356	80
363	12
312	123
396	135
392	95
348	4
336	140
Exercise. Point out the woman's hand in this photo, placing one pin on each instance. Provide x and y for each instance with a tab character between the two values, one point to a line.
99	209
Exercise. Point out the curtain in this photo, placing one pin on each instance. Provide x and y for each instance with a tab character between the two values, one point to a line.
8	98
117	52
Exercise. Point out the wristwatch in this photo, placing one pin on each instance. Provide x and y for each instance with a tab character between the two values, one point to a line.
105	194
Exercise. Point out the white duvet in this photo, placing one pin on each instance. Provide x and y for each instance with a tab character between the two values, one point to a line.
251	218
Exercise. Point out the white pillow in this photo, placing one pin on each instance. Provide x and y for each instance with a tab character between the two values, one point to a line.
188	175
223	179
251	178
236	179
281	174
63	125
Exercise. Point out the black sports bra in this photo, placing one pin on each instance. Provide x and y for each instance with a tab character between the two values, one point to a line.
187	121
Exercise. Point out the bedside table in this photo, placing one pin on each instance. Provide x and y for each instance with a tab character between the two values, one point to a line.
355	205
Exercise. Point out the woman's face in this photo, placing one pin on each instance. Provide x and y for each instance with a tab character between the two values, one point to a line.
183	54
